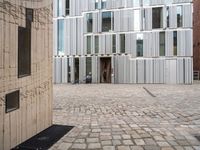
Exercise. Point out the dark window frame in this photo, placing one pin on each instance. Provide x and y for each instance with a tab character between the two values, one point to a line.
122	43
107	21
157	17
24	52
162	43
67	7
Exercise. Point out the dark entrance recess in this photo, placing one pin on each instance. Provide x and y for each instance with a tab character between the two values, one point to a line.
45	139
76	71
105	70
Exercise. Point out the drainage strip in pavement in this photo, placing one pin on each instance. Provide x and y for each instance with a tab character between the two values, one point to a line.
149	92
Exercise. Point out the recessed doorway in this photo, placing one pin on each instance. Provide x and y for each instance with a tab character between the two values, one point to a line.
76	71
105	70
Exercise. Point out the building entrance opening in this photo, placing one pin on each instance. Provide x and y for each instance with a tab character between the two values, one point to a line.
105	70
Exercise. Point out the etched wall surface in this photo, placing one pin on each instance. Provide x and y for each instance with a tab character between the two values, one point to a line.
196	35
35	108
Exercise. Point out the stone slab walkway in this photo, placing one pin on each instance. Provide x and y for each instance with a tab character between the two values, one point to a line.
128	117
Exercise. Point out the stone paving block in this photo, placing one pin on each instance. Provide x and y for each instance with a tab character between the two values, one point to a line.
139	142
108	148
92	140
137	148
94	146
151	147
163	144
106	142
116	142
127	142
79	146
123	148
64	146
125	136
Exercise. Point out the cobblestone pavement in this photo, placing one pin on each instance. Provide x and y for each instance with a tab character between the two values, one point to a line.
128	117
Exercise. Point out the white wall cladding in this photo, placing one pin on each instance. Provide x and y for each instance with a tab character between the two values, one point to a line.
131	70
126	67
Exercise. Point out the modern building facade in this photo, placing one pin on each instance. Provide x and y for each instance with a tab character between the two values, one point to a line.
196	36
26	33
123	41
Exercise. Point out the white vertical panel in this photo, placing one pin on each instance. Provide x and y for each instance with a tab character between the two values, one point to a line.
172	17
71	59
64	70
148	71
102	44
140	71
181	41
188	43
128	43
169	43
180	71
118	43
133	73
187	16
82	69
188	71
108	46
58	70
94	69
133	45
117	21
171	71
127	69
67	35
148	18
55	37
95	22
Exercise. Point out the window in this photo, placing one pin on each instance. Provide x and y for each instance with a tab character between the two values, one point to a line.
96	4
157	17
136	3
139	44
122	43
59	10
69	69
179	16
89	22
107	21
175	42
96	38
137	20
114	43
12	101
29	17
67	7
146	2
88	66
168	17
162	43
89	45
24	52
60	37
103	4
24	46
76	70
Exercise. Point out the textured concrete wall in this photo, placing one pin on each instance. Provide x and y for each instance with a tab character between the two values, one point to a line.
35	112
196	35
